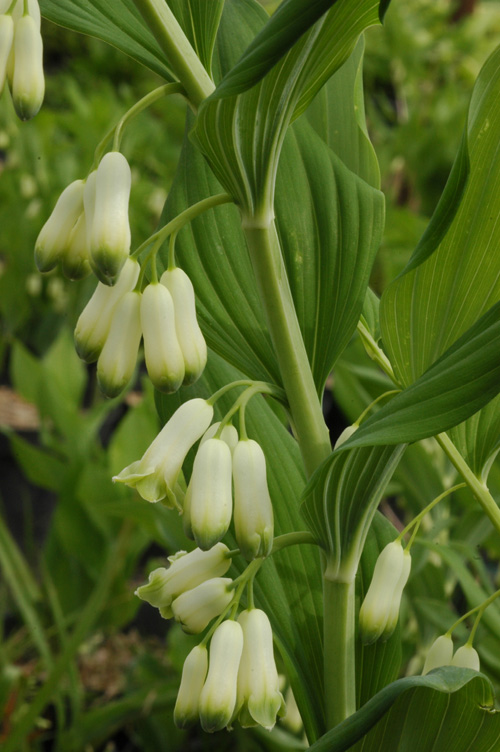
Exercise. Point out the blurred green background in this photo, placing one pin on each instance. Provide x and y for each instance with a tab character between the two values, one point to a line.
73	546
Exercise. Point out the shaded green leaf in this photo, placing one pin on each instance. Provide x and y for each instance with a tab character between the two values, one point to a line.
40	467
199	20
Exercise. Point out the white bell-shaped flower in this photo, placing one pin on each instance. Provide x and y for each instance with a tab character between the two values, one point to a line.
155	474
218	696
466	657
94	323
253	509
259	696
28	83
211	493
194	673
75	261
195	608
393	613
118	358
6	40
162	353
191	340
53	240
440	654
186	571
378	604
109	234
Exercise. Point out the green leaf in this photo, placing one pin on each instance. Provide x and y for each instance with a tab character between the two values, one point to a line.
199	20
40	467
450	709
462	381
341	499
25	372
242	135
117	22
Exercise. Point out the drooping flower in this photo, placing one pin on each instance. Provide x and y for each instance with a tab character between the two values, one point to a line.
440	654
53	241
466	657
218	696
195	608
189	336
94	323
118	358
6	39
193	677
155	474
376	616
211	493
186	571
253	509
259	696
28	83
75	262
162	353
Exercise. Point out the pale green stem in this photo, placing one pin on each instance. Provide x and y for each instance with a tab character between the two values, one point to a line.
375	352
480	609
339	651
146	101
293	539
478	488
416	520
182	58
305	407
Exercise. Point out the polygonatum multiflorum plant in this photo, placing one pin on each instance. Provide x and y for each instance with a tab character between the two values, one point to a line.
253	290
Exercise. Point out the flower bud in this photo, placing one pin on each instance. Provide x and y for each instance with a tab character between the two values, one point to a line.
466	657
75	261
6	39
194	672
191	340
109	237
54	237
440	654
393	613
258	682
95	320
253	510
186	571
155	474
118	358
378	601
195	608
229	435
218	696
211	493
28	84
162	353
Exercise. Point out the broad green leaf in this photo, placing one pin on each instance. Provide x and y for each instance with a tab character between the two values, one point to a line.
288	587
26	372
117	22
449	709
65	370
478	438
242	135
454	275
199	20
462	381
341	499
40	467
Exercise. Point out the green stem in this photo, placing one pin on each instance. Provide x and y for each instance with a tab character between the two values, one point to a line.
181	56
293	539
305	407
146	101
375	352
478	488
339	653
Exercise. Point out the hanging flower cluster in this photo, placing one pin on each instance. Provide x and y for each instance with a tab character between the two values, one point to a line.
441	654
221	461
21	55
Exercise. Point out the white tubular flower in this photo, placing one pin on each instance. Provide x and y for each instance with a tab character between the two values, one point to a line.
194	673
218	696
28	84
259	696
440	654
191	340
109	237
116	363
54	238
229	435
393	613
164	360
466	657
253	510
155	474
211	493
75	261
378	600
6	39
186	571
95	320
195	608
